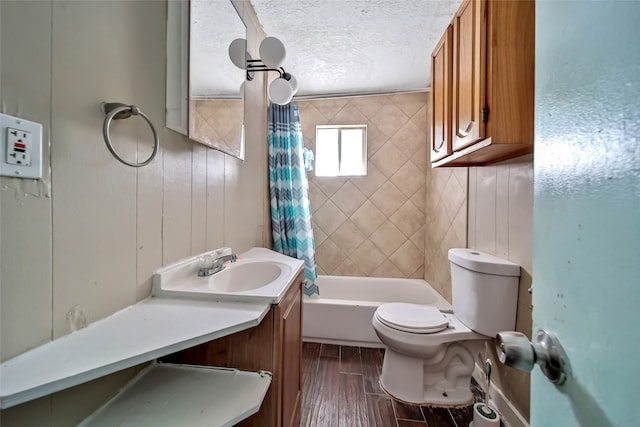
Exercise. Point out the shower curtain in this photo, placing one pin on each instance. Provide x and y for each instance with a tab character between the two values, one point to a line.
289	191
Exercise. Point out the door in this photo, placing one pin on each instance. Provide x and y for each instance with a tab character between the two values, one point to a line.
587	210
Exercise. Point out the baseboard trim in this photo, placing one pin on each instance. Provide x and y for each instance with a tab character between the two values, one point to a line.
509	414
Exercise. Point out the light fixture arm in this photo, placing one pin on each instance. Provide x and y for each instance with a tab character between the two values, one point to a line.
254	65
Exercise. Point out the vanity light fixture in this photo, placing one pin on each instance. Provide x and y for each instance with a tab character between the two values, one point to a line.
272	53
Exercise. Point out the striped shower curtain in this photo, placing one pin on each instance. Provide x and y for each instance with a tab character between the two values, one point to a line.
289	191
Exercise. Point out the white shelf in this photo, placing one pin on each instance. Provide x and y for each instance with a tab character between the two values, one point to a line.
142	332
181	395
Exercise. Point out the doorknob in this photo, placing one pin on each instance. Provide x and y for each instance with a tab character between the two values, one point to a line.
515	350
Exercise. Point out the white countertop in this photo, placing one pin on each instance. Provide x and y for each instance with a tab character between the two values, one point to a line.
139	333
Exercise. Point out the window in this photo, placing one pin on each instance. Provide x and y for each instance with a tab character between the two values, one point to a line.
341	150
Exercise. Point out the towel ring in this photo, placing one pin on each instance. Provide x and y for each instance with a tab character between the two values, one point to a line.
117	110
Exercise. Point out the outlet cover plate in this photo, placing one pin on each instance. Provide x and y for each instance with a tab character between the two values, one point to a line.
31	169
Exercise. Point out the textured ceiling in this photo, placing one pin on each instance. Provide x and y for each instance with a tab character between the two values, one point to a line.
354	46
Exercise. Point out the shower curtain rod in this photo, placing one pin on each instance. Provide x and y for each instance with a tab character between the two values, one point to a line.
357	94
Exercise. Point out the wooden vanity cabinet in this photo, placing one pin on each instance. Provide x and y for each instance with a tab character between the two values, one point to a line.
492	82
275	345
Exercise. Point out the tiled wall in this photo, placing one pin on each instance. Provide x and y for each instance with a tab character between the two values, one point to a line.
372	225
446	223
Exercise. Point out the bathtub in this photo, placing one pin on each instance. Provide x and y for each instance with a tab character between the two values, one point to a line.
343	312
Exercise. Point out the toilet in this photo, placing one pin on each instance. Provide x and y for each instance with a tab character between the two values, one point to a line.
430	355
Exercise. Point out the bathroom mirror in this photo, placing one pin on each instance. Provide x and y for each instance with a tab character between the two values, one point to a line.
204	99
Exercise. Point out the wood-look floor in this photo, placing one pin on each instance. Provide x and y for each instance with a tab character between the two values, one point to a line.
340	389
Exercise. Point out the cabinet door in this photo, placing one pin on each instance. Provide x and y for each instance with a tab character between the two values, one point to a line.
441	97
289	341
469	68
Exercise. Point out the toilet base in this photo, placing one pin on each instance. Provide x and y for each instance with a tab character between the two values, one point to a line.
443	379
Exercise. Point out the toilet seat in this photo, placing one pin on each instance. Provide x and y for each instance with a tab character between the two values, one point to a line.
412	318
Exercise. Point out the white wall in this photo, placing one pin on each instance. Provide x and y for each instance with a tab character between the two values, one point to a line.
82	242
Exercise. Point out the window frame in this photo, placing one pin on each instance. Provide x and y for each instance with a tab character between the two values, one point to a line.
340	128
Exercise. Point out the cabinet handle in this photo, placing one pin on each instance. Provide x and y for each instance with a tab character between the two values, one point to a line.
439	146
464	132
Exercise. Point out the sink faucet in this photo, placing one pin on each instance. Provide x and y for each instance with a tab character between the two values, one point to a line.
218	265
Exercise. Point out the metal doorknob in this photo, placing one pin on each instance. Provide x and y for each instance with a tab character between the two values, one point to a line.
515	350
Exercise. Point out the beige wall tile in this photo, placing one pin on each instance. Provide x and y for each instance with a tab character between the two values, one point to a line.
387	269
388	159
309	116
329	256
371	182
418	238
369	105
388	238
420	119
368	218
410	103
316	196
390	119
408	219
329	217
348	198
375	139
419	199
409	139
348	237
388	199
348	268
328	185
368	257
348	115
407	258
330	107
408	179
319	236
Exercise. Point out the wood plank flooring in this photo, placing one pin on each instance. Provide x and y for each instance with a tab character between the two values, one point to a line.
340	389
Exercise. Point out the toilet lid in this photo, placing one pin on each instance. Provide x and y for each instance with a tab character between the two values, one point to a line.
416	318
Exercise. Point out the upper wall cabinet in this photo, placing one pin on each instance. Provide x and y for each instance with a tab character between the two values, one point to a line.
441	97
491	84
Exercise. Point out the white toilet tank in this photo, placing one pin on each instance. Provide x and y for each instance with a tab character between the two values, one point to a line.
484	290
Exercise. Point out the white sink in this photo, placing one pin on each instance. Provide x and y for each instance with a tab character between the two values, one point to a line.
246	275
258	275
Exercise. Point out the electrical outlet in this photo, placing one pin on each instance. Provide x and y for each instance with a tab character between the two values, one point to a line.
20	148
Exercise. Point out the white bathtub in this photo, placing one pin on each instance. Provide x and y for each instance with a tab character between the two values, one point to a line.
343	313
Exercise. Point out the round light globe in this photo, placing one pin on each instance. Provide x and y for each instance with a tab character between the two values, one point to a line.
272	52
294	83
280	91
238	53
